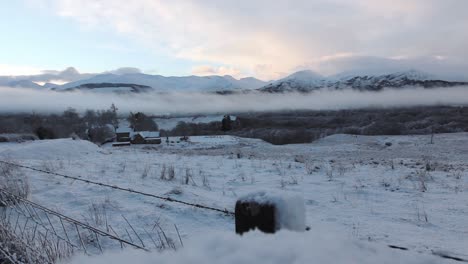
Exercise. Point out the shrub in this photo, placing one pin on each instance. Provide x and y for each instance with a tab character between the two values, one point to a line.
100	134
44	133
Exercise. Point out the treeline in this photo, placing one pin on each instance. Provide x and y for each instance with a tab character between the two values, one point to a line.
285	127
289	127
96	126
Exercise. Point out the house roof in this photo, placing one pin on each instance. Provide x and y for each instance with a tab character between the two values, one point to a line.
149	134
123	130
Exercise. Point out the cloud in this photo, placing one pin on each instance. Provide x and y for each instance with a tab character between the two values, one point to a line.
437	66
69	74
11	70
206	70
25	100
282	35
41	77
125	70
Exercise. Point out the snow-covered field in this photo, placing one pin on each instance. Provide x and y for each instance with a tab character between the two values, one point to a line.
361	193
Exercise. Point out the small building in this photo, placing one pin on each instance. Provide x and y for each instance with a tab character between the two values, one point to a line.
123	134
146	137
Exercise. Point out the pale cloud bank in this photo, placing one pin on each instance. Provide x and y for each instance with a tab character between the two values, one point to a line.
206	70
24	100
9	75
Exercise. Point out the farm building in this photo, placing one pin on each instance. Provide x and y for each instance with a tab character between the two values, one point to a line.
123	134
146	137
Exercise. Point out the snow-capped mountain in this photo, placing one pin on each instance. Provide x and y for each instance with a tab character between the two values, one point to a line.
306	81
301	81
47	78
138	82
23	84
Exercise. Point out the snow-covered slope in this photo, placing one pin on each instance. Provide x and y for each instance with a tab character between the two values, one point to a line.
18	83
302	81
284	247
306	81
360	193
50	149
164	84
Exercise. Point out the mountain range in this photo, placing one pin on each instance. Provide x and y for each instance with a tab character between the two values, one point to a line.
301	81
308	81
160	83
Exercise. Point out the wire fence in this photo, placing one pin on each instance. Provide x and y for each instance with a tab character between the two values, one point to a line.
36	227
48	235
115	187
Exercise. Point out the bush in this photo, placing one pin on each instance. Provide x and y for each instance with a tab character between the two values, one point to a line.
100	134
142	122
383	128
44	133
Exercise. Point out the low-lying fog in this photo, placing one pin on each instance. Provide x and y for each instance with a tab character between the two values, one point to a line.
25	100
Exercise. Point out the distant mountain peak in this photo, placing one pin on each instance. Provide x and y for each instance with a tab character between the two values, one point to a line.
304	76
309	74
300	81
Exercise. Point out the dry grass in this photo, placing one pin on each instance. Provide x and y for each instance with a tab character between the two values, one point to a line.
13	180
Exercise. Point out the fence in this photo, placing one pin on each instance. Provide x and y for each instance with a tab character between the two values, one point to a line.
38	234
55	234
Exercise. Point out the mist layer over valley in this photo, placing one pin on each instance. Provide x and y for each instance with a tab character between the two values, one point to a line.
47	101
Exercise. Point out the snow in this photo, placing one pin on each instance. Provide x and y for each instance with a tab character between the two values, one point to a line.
305	77
290	208
123	129
300	80
148	134
57	149
354	186
162	83
410	74
283	247
309	81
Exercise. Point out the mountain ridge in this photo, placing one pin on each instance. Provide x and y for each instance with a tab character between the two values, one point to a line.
161	83
304	81
363	82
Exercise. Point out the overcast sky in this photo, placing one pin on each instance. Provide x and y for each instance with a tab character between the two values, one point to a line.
261	38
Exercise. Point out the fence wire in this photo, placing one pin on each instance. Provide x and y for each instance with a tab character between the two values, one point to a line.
32	228
32	215
115	187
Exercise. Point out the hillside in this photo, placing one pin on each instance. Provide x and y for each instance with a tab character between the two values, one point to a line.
307	81
160	83
362	192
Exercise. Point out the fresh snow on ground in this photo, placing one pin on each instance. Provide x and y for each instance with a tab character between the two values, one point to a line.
51	150
371	190
281	248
